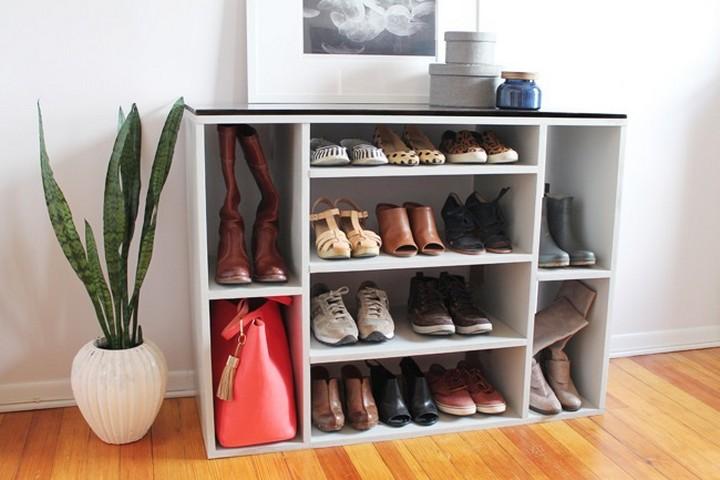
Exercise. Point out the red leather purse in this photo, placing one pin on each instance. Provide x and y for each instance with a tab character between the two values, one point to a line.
252	373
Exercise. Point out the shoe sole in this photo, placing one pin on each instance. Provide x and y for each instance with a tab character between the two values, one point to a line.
434	329
376	337
470	157
457	411
502	160
555	264
498	250
474	329
233	281
584	263
543	412
271	279
366	252
491	409
468	251
346	340
369	163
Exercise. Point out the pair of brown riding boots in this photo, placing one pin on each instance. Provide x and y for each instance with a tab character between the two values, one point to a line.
233	265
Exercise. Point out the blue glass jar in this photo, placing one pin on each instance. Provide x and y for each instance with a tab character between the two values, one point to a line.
519	91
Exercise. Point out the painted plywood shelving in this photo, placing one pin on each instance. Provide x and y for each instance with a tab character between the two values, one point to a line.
578	154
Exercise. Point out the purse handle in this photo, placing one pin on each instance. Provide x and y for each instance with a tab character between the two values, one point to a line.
243	315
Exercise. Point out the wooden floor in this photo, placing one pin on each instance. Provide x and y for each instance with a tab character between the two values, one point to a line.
663	421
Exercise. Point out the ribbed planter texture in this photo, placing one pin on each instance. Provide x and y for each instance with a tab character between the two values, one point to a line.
119	392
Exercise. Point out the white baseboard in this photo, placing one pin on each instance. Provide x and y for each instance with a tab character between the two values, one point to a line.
660	341
181	383
57	393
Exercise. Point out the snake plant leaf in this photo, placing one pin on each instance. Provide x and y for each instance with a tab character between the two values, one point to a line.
130	177
59	211
115	216
121	118
160	169
97	287
64	227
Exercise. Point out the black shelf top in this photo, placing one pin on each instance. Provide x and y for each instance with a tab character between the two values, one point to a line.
384	109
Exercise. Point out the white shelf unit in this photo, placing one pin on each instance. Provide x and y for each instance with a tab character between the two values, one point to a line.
578	155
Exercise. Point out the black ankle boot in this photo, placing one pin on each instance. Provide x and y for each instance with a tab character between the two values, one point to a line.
489	222
460	227
417	393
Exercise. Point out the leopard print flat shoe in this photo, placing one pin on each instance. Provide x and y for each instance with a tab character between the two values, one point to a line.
462	147
395	149
426	151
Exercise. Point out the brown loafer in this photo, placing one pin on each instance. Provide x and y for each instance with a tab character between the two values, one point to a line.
422	224
327	414
359	401
397	238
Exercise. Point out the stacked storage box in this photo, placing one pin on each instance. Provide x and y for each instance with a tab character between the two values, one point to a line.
469	77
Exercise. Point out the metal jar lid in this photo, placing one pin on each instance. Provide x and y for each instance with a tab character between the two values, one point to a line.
465	69
519	75
470	37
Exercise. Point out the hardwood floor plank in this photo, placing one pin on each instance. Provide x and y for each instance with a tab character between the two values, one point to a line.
400	461
642	397
524	457
502	464
136	459
271	466
192	441
103	459
235	468
40	445
463	457
368	462
704	368
644	446
708	357
633	464
590	456
167	444
704	392
304	464
542	454
336	463
431	459
13	434
71	454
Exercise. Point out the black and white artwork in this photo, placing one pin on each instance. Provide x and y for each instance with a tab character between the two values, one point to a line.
369	27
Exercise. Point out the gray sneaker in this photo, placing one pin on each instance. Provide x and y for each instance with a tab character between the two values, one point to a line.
373	317
331	322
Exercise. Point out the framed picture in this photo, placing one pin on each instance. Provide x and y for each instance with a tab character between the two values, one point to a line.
348	51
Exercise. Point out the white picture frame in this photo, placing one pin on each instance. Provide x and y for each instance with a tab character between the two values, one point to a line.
280	72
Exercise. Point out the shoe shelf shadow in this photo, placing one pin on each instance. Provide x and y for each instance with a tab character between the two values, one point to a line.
390	262
407	343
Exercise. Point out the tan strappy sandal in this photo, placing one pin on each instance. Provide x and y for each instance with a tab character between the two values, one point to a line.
364	243
331	243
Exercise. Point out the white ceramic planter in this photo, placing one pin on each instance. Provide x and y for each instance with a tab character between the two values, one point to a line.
119	392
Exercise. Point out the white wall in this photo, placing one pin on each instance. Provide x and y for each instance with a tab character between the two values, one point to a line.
82	59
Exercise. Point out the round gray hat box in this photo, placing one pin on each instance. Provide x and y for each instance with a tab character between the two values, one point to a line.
455	85
470	47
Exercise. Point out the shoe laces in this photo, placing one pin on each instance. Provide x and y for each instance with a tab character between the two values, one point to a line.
453	380
335	303
374	302
428	295
475	380
460	296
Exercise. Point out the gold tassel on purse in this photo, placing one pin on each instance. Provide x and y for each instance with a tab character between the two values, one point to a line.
227	380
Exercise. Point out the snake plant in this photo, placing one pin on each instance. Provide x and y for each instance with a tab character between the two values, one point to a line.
116	306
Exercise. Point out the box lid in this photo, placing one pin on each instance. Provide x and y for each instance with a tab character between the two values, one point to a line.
470	36
465	69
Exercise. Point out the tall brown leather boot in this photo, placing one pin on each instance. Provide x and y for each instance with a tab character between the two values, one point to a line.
268	264
233	266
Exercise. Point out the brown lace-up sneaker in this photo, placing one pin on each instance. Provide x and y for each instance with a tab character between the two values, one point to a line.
486	398
468	319
426	309
497	152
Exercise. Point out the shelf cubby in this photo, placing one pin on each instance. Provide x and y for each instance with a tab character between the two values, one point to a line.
578	154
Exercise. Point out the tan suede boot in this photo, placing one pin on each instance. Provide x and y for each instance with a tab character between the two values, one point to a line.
557	372
542	398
